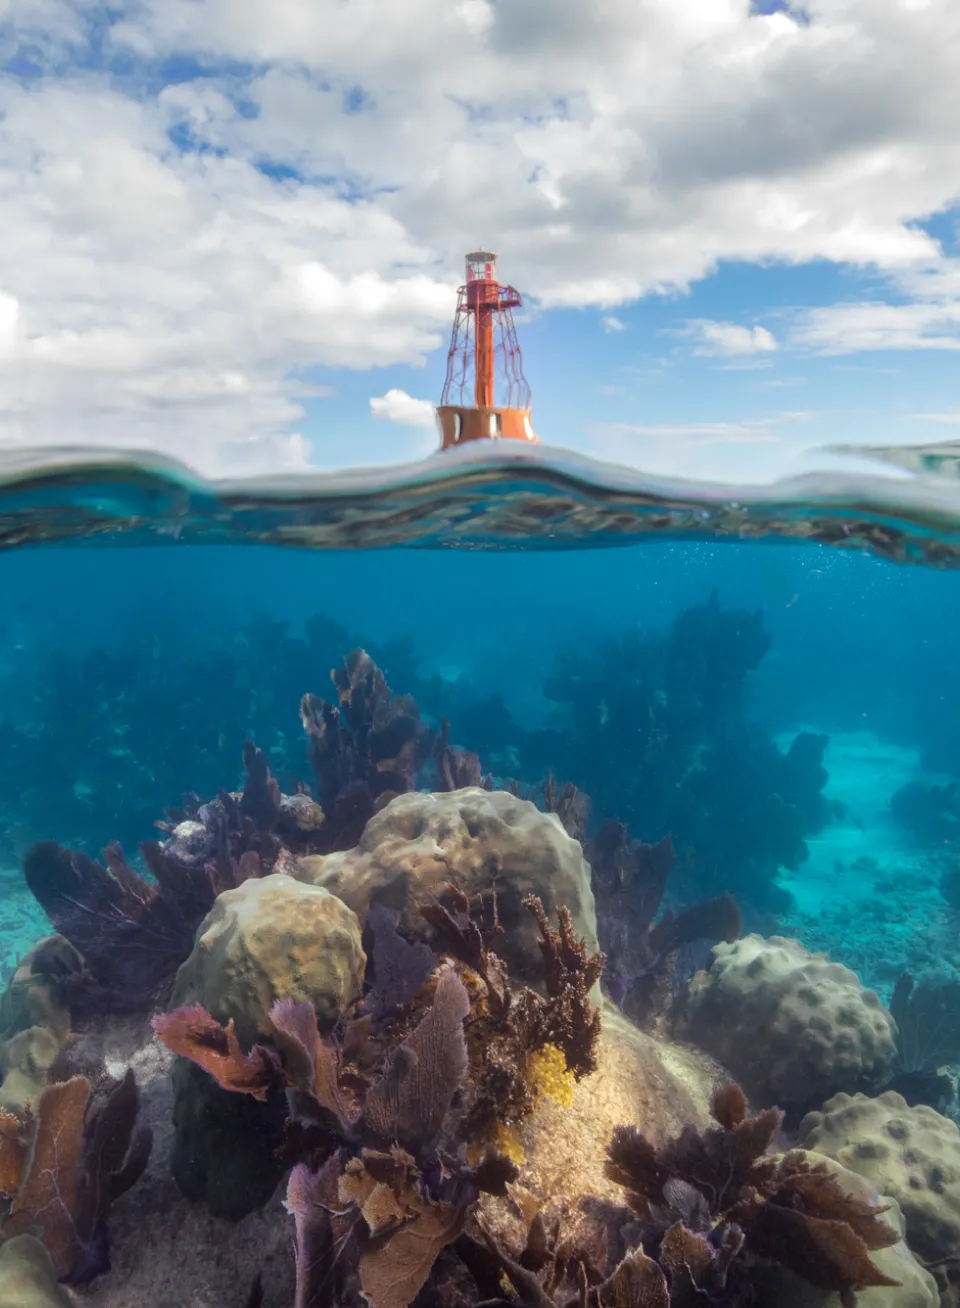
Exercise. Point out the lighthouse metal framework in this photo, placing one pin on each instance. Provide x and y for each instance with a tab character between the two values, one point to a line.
484	362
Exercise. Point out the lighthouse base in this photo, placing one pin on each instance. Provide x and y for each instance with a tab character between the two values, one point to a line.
460	425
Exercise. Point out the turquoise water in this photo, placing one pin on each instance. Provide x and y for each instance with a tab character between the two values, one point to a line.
661	648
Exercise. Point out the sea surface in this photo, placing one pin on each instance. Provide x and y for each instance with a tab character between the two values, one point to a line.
658	645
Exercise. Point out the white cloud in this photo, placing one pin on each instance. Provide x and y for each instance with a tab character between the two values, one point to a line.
874	325
612	324
751	450
173	290
9	318
398	406
729	339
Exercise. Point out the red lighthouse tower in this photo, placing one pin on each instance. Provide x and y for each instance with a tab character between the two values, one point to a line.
484	360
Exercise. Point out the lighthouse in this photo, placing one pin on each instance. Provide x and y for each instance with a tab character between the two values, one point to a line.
485	395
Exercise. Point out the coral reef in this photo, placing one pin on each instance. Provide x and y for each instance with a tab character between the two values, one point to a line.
267	940
629	879
706	1198
377	1132
670	710
911	1154
792	1026
385	1003
927	1014
717	1219
479	841
365	750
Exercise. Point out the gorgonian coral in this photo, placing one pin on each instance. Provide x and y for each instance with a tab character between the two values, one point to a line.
705	1198
365	749
62	1167
391	1118
376	1147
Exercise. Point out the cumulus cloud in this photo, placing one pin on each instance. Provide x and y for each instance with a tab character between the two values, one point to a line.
398	406
183	257
729	339
613	324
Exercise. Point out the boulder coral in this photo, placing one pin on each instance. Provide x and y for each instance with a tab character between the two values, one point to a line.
478	840
910	1154
663	1086
916	1289
269	939
27	1278
273	938
793	1027
35	1020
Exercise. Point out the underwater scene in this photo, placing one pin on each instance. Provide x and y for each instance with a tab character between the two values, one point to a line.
497	883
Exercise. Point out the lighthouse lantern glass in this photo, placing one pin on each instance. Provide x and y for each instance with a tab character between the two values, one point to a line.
481	266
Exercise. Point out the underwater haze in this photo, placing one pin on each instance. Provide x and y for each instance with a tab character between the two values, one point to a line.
311	790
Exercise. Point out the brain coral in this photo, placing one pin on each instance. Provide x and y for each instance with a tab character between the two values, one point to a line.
792	1027
477	839
910	1154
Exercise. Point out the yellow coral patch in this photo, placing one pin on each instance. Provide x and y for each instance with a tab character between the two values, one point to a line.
547	1073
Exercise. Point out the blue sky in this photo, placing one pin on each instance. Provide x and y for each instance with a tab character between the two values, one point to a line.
234	232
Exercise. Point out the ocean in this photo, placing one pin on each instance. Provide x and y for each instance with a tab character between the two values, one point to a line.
765	678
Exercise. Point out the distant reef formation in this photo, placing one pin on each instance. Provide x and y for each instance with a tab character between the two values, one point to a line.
654	726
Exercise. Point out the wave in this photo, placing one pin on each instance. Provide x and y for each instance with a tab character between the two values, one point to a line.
490	496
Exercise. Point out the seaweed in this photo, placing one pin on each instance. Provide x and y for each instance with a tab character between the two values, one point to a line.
365	749
455	768
705	1197
399	969
509	1027
386	1106
629	879
554	1271
65	1166
569	1020
927	1015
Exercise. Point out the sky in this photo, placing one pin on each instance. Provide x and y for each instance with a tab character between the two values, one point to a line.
233	231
